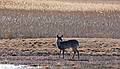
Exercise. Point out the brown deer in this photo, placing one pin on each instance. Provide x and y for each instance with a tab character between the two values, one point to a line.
62	45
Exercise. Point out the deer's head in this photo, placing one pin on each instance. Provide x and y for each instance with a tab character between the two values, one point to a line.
59	38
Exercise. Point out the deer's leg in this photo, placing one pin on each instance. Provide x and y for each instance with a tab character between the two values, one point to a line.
74	50
78	54
74	54
60	54
63	53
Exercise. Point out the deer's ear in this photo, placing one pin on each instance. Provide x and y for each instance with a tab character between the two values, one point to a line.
61	35
57	36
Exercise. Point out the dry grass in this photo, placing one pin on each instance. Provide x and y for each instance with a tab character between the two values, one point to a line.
59	5
35	23
102	53
45	46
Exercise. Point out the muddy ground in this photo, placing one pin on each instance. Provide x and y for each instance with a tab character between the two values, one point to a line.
95	53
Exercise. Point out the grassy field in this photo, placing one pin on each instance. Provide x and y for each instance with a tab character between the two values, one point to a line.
94	53
47	18
61	5
95	21
47	46
34	23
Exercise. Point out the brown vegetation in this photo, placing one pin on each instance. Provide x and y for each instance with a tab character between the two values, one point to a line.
61	5
47	18
45	46
50	23
94	53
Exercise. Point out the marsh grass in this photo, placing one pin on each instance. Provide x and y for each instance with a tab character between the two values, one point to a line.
60	5
8	35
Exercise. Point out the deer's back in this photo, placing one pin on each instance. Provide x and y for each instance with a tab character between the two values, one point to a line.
68	44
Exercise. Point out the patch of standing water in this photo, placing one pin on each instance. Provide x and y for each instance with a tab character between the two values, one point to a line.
12	66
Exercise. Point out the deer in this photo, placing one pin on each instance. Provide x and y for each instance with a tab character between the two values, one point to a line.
62	45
